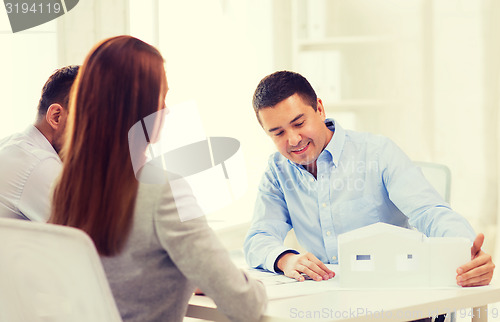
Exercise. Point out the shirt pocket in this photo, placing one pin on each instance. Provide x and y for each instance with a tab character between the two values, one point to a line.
358	213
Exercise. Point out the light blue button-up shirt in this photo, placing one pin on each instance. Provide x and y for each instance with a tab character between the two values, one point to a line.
361	179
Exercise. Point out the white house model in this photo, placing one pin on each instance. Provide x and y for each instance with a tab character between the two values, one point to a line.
387	256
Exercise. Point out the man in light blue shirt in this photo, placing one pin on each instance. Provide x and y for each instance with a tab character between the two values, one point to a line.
325	180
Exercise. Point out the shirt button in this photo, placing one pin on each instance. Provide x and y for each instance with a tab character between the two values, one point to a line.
334	258
324	205
328	233
312	180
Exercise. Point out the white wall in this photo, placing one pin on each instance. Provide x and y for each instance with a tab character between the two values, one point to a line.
27	59
216	52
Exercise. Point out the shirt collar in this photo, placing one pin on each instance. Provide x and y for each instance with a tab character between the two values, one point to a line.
40	139
336	144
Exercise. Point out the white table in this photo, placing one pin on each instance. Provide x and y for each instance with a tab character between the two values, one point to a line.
363	305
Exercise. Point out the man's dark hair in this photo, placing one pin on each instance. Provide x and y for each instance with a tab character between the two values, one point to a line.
278	86
57	88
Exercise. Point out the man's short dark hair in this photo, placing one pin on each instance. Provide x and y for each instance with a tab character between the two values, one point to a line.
278	86
57	88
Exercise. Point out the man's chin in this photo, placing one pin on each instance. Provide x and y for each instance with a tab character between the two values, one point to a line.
300	161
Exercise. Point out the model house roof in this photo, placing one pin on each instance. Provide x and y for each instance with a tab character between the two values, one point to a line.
381	228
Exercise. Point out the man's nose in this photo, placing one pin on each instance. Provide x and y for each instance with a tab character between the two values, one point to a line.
294	138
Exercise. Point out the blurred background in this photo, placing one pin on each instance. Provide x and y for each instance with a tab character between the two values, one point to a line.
424	73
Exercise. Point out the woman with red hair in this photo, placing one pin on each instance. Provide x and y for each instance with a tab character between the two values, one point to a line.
153	261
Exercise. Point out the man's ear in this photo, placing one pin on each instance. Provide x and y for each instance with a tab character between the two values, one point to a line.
54	115
321	109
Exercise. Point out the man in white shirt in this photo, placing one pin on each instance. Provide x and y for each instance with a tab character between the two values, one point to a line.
29	160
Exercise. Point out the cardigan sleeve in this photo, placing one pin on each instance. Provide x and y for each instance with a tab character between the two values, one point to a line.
201	257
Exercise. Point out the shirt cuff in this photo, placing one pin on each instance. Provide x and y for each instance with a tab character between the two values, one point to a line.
272	258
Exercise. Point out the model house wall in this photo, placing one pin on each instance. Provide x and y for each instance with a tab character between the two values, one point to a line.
387	256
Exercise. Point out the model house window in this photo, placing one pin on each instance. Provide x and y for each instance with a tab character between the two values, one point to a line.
406	262
362	263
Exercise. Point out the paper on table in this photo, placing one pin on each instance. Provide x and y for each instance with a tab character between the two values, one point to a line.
279	286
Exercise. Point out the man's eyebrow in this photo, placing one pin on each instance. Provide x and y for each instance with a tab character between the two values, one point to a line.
298	117
279	127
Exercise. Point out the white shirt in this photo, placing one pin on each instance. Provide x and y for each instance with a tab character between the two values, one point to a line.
29	166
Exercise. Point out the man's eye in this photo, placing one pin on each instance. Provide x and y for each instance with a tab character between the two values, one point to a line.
280	133
299	124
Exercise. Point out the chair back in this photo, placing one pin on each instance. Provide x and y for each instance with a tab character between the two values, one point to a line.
51	273
439	176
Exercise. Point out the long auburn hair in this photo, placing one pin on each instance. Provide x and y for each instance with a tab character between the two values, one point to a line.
119	84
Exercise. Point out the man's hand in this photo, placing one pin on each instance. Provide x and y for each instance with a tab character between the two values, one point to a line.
479	270
293	265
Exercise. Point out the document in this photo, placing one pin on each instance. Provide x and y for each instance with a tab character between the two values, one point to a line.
280	286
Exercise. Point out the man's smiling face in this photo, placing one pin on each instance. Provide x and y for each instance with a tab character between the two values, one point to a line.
298	131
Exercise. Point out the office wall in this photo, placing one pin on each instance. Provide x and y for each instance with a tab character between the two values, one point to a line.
26	60
216	52
89	22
